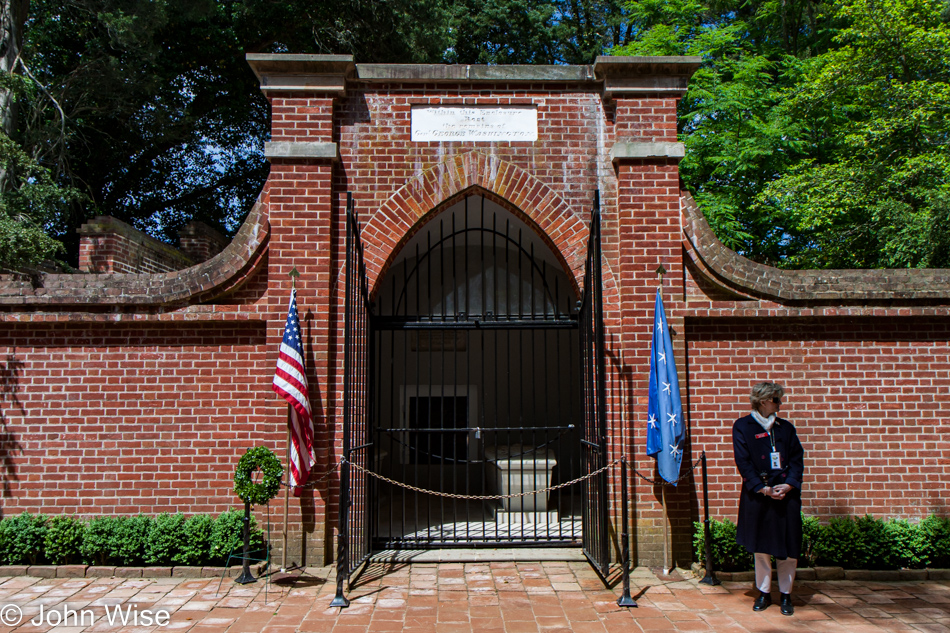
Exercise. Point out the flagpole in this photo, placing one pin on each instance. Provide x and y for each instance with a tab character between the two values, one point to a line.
660	271
293	274
666	530
283	562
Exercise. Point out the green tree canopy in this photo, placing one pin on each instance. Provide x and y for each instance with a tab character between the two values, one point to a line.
816	130
816	133
147	111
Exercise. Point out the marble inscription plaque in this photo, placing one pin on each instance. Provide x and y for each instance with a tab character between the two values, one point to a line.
455	123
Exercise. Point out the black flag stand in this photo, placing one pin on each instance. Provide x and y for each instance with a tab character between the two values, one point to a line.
710	577
625	600
246	576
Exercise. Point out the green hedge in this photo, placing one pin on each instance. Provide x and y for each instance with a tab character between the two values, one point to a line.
853	543
167	539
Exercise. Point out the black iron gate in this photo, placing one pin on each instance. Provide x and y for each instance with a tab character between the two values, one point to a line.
475	388
355	485
467	382
594	387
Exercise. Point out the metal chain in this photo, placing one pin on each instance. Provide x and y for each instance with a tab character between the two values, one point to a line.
663	481
481	497
313	484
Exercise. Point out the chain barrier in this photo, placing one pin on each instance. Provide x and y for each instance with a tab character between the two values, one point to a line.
325	476
482	497
313	484
656	482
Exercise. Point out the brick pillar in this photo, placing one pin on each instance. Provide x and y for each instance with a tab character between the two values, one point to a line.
201	242
645	232
304	234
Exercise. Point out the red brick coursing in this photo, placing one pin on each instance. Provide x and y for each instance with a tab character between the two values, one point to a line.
224	273
108	245
101	415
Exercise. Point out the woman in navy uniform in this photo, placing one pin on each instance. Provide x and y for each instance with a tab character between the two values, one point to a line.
771	461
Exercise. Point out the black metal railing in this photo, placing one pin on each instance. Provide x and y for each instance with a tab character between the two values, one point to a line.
594	397
355	487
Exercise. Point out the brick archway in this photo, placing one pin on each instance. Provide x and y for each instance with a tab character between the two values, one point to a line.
429	192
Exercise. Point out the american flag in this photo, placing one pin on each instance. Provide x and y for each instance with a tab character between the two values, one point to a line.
290	381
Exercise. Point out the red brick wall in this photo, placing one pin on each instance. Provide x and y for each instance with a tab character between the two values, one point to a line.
108	245
121	418
868	397
301	214
101	415
301	118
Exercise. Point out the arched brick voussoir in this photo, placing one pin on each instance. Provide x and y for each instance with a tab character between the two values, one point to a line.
223	273
393	223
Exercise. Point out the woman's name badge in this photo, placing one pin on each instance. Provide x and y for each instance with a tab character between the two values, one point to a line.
776	460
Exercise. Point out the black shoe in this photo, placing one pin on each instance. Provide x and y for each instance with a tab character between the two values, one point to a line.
762	602
787	608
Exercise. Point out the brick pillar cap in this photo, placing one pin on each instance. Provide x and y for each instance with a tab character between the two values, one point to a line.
321	73
638	75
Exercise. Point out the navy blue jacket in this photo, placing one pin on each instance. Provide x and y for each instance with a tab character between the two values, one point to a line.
766	525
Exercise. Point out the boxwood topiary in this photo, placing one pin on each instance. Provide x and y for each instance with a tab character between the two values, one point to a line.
196	548
63	540
132	539
25	537
166	535
227	536
100	545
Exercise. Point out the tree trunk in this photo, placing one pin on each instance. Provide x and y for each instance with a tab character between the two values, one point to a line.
12	20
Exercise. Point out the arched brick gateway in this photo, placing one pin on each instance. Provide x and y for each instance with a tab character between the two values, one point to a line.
475	173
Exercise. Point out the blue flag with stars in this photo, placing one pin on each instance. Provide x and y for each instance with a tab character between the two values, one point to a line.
666	429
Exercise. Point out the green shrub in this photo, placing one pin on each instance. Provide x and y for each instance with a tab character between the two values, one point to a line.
936	530
25	537
227	537
727	555
811	536
165	538
3	540
874	542
132	539
853	543
63	540
100	545
909	546
196	548
840	544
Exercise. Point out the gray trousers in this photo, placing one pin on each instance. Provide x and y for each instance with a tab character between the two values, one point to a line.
786	573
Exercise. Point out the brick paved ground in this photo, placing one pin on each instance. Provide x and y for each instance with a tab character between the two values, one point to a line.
552	597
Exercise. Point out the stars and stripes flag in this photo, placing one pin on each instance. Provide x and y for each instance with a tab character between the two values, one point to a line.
290	382
666	430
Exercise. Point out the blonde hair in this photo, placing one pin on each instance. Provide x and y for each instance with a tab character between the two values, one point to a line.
765	391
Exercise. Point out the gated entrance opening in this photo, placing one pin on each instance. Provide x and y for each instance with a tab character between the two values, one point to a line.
476	372
476	387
